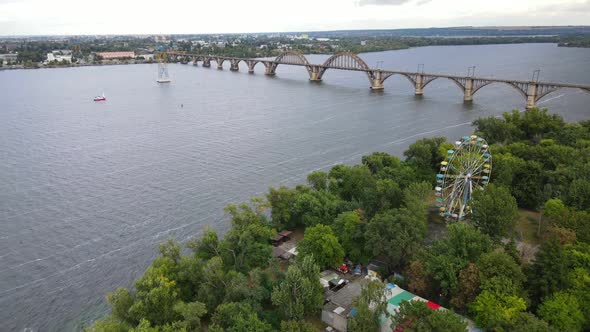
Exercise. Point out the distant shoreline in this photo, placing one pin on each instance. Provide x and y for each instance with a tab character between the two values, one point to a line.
214	55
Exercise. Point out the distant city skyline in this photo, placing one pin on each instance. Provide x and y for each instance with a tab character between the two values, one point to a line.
70	17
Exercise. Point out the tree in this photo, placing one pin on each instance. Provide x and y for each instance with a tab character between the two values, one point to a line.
108	324
121	301
554	209
246	245
238	317
468	287
191	314
395	235
494	130
318	180
418	281
462	244
494	310
548	273
562	311
579	194
349	228
370	306
300	293
155	298
527	322
417	316
494	211
426	155
296	326
500	264
320	242
281	201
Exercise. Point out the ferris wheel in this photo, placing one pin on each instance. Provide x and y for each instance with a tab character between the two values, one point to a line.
467	168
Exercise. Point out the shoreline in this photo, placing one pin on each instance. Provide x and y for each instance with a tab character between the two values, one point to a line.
323	53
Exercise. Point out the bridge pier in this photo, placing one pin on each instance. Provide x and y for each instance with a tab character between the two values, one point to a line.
468	90
207	63
251	65
531	96
419	85
315	73
376	80
235	65
269	69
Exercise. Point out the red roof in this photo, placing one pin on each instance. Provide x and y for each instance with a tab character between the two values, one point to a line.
432	305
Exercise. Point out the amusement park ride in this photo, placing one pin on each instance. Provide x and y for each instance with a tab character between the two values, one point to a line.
162	43
467	168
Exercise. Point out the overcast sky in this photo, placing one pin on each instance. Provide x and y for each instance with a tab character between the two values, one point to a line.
28	17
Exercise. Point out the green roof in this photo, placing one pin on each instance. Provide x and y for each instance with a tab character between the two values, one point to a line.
405	295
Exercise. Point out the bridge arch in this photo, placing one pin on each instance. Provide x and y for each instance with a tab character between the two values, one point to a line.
346	60
521	90
408	76
292	57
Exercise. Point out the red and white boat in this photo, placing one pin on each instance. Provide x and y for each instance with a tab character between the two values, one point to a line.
100	98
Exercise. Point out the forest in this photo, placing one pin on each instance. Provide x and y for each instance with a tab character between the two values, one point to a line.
519	262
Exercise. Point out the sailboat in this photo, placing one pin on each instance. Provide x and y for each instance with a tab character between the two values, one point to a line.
100	98
163	72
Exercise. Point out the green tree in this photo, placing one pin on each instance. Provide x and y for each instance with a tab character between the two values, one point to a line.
527	322
191	314
281	201
318	180
494	310
300	293
417	316
349	228
297	326
121	301
494	211
548	273
500	264
468	287
562	311
426	155
108	324
554	209
238	317
246	245
370	307
395	235
320	242
495	130
462	244
579	194
155	298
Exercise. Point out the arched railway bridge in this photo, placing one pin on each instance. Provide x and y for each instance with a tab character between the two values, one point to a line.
532	91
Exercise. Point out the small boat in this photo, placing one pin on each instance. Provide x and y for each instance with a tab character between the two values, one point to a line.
100	98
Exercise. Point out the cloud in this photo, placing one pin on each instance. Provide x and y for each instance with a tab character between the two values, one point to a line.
382	2
422	2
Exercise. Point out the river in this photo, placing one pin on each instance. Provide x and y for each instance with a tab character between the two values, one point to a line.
88	189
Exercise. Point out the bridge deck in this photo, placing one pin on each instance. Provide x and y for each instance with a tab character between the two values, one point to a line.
390	72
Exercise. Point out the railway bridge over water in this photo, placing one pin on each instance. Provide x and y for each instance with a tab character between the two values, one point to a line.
532	90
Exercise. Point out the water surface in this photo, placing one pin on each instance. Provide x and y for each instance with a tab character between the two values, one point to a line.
88	189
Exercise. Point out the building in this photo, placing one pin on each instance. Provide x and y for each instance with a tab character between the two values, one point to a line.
58	57
338	307
9	57
146	57
116	55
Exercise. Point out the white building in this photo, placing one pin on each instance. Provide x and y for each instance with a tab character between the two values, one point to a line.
58	57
